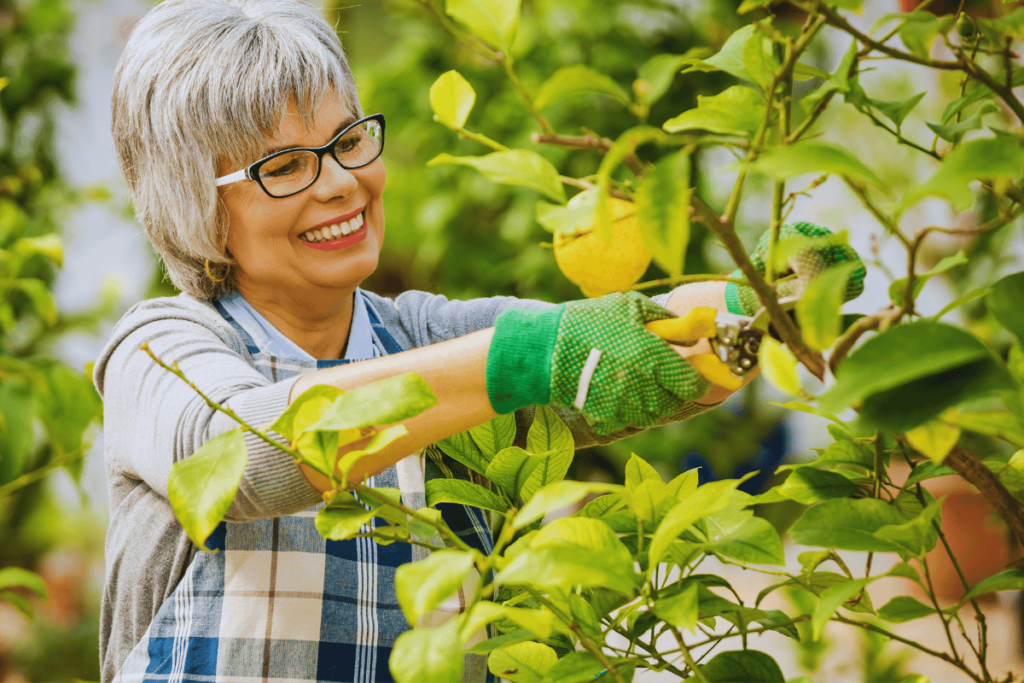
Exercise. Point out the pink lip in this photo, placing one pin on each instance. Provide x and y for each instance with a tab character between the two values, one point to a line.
340	243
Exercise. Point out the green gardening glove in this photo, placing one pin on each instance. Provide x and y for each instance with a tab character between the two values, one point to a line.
806	264
593	357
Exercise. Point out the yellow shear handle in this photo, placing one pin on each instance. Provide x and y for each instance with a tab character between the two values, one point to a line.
687	330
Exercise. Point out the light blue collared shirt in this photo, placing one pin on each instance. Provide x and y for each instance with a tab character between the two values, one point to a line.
272	341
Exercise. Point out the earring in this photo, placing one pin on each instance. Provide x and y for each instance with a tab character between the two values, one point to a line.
206	266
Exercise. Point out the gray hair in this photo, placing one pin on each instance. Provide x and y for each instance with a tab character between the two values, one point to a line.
205	80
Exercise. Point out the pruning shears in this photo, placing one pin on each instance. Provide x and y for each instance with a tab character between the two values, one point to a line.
735	340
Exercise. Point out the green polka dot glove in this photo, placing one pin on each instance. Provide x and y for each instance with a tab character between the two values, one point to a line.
806	264
593	357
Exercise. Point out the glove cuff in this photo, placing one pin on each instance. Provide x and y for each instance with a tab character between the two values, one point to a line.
519	358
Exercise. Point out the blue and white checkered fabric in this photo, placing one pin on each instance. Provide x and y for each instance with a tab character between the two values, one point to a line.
279	603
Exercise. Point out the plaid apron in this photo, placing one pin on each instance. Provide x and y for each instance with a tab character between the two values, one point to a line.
280	604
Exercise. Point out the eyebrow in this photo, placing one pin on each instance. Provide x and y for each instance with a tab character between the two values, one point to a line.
345	123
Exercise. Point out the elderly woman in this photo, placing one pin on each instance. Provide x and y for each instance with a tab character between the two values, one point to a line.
259	180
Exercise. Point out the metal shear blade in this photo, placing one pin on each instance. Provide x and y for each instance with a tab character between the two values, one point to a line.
737	338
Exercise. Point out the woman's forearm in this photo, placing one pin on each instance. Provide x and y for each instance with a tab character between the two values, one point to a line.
455	370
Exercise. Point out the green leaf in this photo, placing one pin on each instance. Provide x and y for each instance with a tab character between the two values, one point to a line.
920	29
202	487
1009	580
493	21
305	410
812	156
319	450
1012	473
555	496
462	448
817	311
564	567
778	365
428	655
576	667
663	211
647	500
758	59
810	410
680	609
684	484
584	615
960	301
16	577
838	82
496	642
655	76
729	59
577	78
847	524
934	438
577	216
384	402
342	517
452	98
510	469
464	493
735	532
737	110
422	586
847	453
897	110
982	159
625	145
955	131
809	485
832	599
40	296
495	435
523	662
742	666
917	356
705	500
537	621
421	529
513	167
48	246
904	608
548	434
1006	301
573	551
927	470
639	470
916	537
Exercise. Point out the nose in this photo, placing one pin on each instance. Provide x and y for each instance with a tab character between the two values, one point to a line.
334	180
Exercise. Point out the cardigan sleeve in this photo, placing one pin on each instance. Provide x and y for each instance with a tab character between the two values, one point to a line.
152	419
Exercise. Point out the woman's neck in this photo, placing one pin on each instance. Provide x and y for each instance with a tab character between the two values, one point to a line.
319	326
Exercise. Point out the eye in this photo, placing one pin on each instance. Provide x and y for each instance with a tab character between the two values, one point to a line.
348	144
283	166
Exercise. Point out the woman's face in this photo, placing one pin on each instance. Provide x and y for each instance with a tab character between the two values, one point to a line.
277	256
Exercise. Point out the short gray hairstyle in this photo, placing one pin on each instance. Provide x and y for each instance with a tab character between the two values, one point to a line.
205	80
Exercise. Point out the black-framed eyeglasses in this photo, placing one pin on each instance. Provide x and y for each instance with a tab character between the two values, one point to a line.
291	171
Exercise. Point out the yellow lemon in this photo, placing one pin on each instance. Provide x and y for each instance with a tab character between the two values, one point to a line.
600	267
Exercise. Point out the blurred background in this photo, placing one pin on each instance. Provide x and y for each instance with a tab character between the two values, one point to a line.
449	231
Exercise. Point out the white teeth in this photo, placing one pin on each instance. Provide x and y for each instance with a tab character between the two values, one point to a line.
333	231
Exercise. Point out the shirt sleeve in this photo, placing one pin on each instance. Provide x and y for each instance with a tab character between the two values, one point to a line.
152	419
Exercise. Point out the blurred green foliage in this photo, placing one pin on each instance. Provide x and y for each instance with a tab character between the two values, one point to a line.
46	407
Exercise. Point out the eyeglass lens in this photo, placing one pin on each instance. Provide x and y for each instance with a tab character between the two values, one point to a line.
295	171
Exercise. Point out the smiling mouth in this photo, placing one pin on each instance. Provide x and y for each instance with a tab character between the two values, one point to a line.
334	231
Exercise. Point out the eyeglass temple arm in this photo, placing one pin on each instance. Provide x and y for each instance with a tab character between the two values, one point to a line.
233	177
